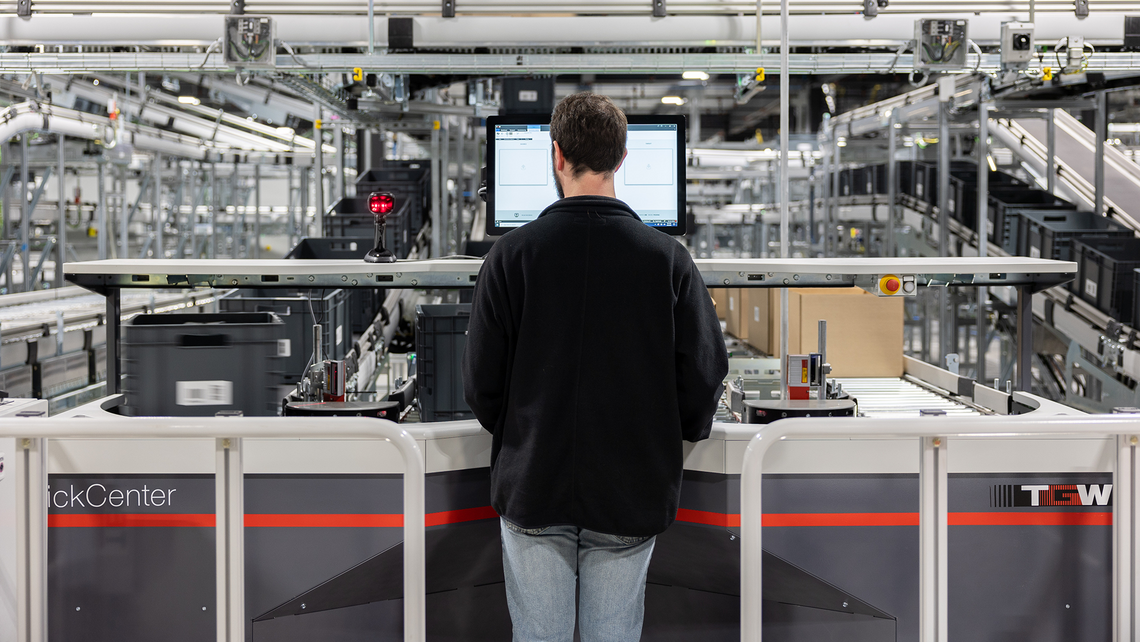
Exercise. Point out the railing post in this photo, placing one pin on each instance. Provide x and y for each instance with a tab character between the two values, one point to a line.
1123	539
31	542
229	500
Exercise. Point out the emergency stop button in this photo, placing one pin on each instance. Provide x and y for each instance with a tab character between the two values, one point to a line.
890	284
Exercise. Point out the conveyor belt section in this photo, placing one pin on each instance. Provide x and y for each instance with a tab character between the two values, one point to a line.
889	397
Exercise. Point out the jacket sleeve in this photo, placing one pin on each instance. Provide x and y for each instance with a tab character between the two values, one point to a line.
485	356
702	359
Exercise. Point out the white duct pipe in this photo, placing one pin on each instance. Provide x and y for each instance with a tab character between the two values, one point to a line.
61	123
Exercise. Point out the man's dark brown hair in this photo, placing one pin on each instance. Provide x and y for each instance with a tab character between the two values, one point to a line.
590	130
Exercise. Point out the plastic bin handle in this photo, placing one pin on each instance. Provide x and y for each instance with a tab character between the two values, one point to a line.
203	340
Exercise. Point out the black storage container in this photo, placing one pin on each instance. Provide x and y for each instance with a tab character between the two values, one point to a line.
330	308
1004	224
907	179
363	303
1136	298
925	183
1049	234
1105	273
195	365
441	335
845	182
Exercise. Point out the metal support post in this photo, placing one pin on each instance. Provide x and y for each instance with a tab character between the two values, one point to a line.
1051	152
156	209
460	184
833	211
200	198
257	209
233	202
371	27
303	195
947	331
785	211
338	142
114	342
444	191
981	228
1024	357
5	206
292	207
213	241
1101	133
892	185
61	234
694	119
241	238
318	176
436	231
101	225
824	194
25	215
124	213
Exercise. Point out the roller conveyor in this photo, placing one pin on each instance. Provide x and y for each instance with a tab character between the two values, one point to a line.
889	397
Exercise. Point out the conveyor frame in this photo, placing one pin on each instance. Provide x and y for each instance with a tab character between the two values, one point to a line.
108	277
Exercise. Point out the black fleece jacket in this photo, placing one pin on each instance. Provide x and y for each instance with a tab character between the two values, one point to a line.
593	350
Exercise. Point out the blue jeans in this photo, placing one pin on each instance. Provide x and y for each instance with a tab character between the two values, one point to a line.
542	566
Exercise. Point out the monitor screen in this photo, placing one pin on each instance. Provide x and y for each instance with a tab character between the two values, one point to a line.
520	176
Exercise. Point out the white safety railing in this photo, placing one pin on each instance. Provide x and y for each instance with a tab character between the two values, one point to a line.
29	467
934	436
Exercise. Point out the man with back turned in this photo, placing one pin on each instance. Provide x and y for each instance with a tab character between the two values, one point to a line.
593	350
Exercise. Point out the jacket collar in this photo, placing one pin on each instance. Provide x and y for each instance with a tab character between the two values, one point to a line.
599	204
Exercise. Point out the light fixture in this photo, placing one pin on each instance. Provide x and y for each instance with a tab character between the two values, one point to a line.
990	160
285	131
672	100
189	100
695	75
842	142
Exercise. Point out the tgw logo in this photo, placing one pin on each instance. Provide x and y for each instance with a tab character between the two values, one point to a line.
1006	495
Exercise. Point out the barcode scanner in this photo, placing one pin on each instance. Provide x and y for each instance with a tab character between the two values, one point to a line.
381	205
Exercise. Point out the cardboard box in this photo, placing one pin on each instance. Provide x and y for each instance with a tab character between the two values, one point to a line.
759	320
864	332
735	319
720	299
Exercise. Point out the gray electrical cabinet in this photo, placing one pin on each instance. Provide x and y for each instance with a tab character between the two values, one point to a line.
940	45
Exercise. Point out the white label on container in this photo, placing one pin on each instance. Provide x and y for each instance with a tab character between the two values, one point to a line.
528	96
1090	287
284	347
339	332
756	314
1034	252
204	393
731	304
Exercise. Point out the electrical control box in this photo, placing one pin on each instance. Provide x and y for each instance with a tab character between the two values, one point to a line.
1017	43
249	42
940	45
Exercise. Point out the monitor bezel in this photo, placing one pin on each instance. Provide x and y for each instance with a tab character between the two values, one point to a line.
544	119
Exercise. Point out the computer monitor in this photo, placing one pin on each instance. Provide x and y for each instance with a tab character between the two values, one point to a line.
520	177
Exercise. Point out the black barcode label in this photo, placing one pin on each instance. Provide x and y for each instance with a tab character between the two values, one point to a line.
204	393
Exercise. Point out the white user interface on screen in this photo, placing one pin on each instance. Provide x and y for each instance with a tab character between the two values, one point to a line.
524	180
